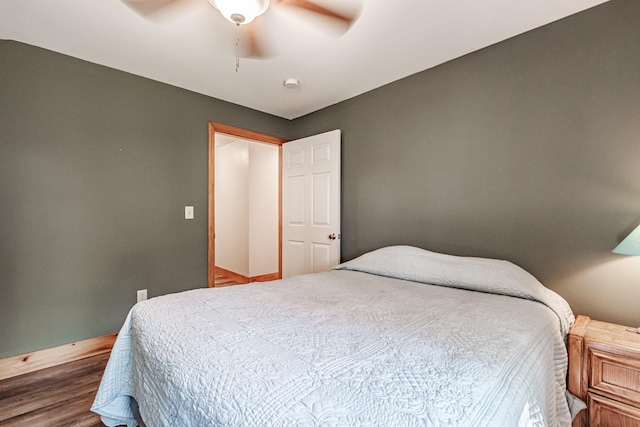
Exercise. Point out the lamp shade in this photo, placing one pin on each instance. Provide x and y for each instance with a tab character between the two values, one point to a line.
240	11
630	245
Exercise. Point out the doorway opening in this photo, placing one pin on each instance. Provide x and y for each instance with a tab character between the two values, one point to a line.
241	144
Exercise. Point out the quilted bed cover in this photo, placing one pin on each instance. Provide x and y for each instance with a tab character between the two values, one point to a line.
397	337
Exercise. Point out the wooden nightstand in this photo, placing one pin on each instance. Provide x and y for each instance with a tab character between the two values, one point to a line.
604	371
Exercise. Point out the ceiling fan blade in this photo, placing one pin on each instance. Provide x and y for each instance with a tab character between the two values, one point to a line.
347	18
157	10
254	43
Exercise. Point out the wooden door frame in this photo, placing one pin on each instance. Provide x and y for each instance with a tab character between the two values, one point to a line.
245	134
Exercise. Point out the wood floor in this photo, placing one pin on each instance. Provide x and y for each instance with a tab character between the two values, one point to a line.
61	395
221	281
57	396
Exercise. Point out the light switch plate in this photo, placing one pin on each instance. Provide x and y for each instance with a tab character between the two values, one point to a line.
188	212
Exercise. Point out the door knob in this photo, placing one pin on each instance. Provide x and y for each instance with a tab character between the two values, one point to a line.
332	236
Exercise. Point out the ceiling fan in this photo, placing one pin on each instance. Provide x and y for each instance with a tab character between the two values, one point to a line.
243	14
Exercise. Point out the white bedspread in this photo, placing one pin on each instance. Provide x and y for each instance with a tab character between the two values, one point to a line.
349	348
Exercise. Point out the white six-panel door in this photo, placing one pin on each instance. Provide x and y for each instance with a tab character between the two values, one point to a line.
311	204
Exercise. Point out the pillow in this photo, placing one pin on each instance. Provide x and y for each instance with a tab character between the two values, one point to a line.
471	273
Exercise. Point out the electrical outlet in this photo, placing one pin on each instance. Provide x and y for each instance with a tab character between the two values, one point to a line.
142	295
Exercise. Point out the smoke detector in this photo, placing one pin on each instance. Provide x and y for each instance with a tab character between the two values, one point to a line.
291	83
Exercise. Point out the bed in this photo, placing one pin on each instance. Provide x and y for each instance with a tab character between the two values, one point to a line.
399	336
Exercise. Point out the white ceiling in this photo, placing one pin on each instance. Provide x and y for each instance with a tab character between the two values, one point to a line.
193	46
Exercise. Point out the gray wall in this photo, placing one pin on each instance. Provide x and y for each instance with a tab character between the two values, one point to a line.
528	150
96	166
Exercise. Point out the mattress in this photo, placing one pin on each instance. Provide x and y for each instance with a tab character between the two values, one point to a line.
397	337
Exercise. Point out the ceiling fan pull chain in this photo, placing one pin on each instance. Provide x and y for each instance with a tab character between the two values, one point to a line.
237	54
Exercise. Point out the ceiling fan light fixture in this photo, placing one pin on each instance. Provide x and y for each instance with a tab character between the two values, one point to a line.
240	12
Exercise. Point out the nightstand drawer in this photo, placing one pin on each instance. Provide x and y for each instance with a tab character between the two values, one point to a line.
615	375
605	412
